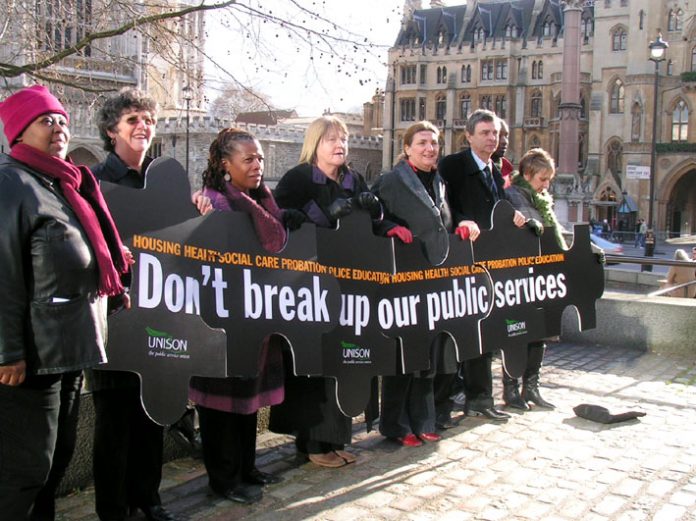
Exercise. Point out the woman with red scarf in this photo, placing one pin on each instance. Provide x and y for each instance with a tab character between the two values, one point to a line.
60	255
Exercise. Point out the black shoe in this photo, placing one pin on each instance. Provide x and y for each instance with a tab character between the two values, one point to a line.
246	494
158	513
257	477
445	423
489	412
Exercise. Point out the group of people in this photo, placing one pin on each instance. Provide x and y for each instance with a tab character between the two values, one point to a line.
63	268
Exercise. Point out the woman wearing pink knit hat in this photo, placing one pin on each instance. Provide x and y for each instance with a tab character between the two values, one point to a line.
60	255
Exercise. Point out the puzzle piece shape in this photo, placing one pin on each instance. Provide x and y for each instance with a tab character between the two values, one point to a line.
516	318
356	351
425	300
263	296
198	266
583	279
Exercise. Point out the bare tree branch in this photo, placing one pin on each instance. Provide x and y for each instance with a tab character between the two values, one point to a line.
10	70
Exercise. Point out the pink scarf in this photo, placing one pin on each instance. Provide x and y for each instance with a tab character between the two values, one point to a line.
81	190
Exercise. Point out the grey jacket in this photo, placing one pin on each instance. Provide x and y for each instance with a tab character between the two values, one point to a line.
50	314
407	203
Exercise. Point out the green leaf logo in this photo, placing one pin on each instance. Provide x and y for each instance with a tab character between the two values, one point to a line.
155	332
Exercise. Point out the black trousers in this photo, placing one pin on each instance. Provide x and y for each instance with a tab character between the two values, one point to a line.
127	453
229	447
408	406
478	381
66	438
29	425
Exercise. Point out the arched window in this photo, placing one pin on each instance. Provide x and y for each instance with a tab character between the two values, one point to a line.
534	70
442	75
583	107
636	122
670	67
463	74
535	105
618	39
616	98
534	142
680	122
615	159
441	37
586	29
440	108
501	106
464	106
540	70
556	109
547	29
486	102
479	34
674	20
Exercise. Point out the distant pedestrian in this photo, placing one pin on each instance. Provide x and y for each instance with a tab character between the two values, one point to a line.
640	236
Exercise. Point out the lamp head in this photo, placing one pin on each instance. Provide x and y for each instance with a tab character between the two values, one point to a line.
187	93
658	48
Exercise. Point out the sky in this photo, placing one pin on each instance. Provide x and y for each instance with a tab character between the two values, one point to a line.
298	72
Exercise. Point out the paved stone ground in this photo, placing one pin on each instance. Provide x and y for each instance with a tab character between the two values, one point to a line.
548	465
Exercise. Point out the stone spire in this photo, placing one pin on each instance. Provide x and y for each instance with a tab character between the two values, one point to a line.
410	6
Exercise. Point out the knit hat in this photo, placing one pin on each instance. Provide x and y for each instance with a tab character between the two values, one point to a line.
19	110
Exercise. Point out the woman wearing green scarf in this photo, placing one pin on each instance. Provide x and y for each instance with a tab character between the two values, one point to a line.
529	194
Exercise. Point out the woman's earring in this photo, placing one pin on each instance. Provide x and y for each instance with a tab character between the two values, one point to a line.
113	142
227	177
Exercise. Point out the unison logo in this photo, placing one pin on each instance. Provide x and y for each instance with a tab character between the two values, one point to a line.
515	327
165	341
354	354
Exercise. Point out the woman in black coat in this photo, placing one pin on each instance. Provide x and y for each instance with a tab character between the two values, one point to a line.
321	189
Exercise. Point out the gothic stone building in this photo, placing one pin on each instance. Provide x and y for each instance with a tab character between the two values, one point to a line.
508	56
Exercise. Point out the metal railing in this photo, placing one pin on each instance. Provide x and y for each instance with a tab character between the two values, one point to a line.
648	261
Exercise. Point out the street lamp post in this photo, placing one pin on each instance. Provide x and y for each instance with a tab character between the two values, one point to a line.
187	93
657	55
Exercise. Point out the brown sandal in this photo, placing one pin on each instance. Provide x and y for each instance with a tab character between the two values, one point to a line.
328	459
346	456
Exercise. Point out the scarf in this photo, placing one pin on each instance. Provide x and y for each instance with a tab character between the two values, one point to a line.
81	190
543	202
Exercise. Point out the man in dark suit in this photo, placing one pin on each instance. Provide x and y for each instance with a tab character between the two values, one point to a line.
474	186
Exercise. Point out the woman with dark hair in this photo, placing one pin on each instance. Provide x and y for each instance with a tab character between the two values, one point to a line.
227	407
415	205
323	189
128	445
60	253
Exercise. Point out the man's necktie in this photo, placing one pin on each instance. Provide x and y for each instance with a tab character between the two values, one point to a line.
490	182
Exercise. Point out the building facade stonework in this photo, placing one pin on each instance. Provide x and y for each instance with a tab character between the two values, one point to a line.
508	56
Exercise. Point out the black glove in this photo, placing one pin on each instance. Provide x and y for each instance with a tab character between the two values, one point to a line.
340	208
293	219
601	258
368	201
599	414
535	226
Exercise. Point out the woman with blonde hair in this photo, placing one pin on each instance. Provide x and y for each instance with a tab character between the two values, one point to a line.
323	188
679	275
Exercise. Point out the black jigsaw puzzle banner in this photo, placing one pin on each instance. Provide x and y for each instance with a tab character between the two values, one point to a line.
350	305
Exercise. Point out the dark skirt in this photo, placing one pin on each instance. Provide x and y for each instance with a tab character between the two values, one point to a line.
310	412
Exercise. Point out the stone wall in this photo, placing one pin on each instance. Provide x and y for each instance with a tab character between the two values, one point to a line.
281	146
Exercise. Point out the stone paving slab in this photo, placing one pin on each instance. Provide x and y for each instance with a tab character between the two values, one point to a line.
548	465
